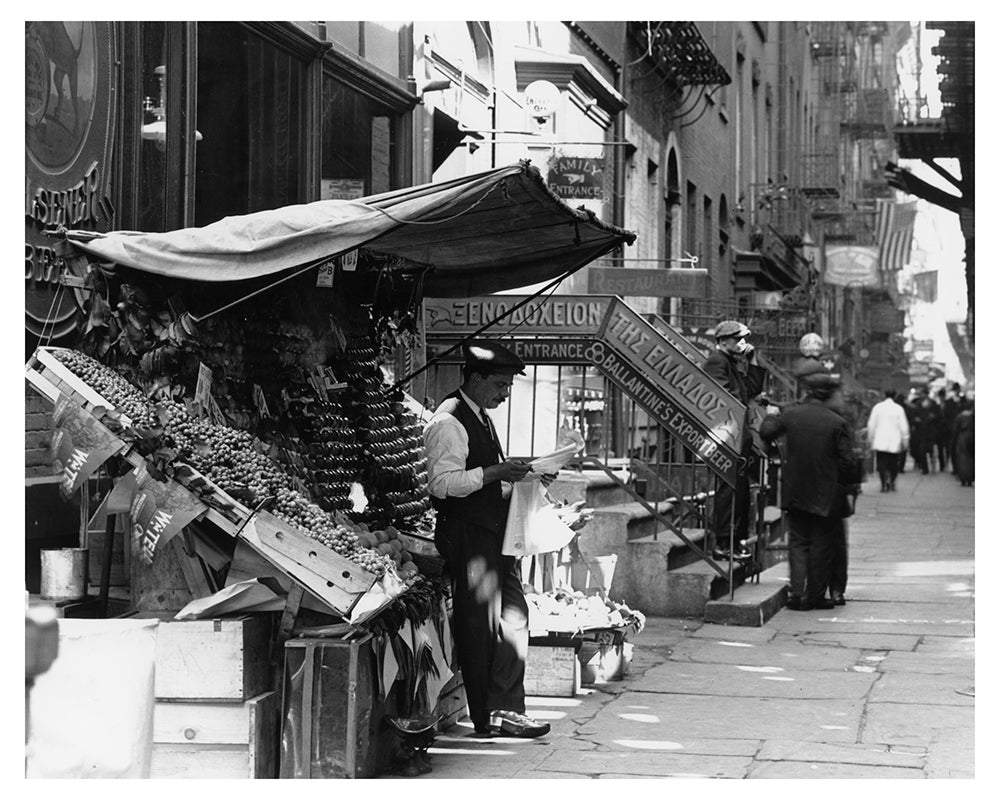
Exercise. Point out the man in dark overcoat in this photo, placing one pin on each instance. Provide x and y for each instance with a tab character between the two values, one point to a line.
470	483
733	364
819	474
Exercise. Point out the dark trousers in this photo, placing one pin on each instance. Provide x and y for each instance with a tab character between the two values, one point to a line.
838	558
490	618
810	554
725	511
887	465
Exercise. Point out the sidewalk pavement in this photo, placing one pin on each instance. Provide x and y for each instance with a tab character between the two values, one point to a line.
883	687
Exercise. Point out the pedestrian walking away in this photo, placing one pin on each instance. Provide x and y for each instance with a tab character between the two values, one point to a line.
820	477
470	483
888	433
733	364
964	445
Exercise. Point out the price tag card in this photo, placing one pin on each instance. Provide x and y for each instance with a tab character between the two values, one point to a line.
324	277
349	261
260	401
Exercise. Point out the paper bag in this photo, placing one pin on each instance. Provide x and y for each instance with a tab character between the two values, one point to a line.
533	523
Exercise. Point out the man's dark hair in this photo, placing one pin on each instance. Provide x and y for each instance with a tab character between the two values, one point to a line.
890	393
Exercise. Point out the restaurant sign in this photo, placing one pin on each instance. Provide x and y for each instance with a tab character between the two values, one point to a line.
69	110
687	282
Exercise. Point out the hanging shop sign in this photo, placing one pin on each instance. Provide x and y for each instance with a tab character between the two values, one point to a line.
69	94
80	444
850	265
604	332
576	178
648	282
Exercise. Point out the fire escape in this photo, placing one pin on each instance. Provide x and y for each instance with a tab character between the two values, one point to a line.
855	84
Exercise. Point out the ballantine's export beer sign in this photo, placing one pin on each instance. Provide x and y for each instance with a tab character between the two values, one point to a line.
606	333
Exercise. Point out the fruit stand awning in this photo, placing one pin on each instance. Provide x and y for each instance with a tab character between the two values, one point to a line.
483	233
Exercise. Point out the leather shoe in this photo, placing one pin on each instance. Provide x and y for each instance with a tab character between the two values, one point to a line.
794	603
511	723
723	555
838	599
822	604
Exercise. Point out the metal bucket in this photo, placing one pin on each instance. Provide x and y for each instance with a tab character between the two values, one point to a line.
64	573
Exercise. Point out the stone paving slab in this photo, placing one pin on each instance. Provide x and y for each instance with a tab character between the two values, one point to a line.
930	689
916	724
727	633
930	663
826	771
947	645
862	754
855	641
704	717
642	740
790	653
650	764
893	619
466	756
769	680
954	758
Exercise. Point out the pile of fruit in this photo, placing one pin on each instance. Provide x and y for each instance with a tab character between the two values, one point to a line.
390	439
235	461
565	610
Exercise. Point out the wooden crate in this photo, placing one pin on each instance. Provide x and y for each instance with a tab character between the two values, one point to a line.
216	740
224	659
552	670
332	722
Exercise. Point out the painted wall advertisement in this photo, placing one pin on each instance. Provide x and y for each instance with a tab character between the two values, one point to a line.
69	112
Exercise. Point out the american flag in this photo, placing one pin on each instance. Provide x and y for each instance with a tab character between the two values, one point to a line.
894	229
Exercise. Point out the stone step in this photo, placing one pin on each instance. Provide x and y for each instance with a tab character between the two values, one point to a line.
753	603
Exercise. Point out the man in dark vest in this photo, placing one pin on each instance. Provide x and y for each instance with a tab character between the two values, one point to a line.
734	366
470	483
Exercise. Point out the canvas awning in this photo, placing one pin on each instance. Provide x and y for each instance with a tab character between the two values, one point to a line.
483	233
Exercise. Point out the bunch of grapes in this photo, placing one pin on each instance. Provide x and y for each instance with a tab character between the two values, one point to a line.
125	397
231	458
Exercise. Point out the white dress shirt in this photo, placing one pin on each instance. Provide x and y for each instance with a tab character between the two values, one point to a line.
447	446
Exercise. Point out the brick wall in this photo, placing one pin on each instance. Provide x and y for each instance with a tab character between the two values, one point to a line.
37	434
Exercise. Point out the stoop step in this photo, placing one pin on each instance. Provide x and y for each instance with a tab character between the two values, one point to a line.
752	604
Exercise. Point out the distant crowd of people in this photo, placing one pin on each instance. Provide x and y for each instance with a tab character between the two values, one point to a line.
936	432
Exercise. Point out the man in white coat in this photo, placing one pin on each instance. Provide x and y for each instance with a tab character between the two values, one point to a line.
888	436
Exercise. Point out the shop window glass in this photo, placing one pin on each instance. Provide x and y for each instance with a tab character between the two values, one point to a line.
152	213
359	143
250	112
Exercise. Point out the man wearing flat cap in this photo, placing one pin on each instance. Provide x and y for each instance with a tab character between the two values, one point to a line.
820	472
470	480
734	365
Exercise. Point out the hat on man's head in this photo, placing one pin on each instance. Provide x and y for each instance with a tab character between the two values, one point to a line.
487	356
730	327
821	385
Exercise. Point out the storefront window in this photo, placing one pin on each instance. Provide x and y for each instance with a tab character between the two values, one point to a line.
250	116
152	185
359	143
